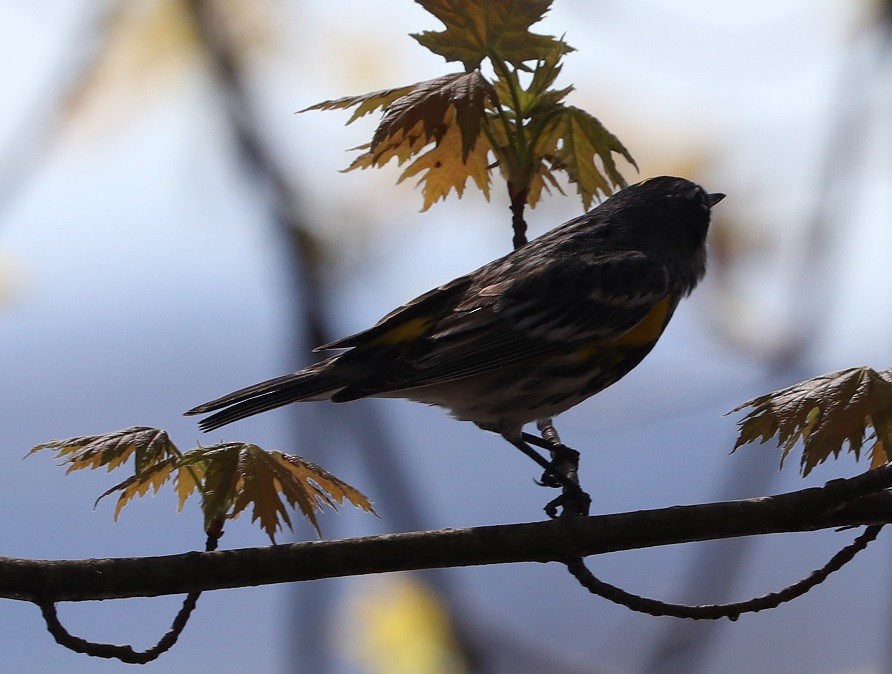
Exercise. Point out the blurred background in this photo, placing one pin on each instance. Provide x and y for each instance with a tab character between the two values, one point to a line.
170	231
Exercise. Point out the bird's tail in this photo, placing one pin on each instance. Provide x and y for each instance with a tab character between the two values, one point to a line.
316	382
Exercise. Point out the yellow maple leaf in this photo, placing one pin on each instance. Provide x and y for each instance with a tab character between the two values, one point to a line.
401	146
418	114
229	476
138	485
110	450
238	475
443	168
543	179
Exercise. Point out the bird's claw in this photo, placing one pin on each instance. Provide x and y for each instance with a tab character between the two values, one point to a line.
573	500
571	504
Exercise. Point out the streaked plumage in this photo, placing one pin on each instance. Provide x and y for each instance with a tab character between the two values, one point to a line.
526	336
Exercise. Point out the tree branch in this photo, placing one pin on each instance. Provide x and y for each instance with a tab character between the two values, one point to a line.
558	540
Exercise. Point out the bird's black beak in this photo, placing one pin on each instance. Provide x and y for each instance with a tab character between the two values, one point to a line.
713	199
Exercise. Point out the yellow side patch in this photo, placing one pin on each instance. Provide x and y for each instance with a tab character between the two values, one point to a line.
405	331
650	328
646	332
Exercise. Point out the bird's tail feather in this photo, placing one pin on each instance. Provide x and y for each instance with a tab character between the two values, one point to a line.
316	382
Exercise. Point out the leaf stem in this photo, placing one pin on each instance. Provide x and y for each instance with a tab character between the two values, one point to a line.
518	224
516	132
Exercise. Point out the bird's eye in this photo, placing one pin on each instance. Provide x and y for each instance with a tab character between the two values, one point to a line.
698	196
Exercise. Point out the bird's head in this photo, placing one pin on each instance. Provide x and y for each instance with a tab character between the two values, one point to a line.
670	213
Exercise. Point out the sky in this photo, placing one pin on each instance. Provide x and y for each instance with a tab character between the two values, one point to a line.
139	277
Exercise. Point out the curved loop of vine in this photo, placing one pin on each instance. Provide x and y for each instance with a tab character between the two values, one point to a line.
125	653
733	610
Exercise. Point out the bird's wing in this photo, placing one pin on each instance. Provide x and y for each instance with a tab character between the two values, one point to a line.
615	298
409	321
389	336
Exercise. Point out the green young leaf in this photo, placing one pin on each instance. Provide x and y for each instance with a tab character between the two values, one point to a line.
479	29
575	139
150	445
544	76
825	413
537	100
219	465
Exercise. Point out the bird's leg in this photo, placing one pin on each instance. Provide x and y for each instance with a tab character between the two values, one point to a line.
573	500
564	459
561	471
548	431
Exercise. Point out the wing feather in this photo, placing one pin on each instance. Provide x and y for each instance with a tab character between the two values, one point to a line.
539	314
409	321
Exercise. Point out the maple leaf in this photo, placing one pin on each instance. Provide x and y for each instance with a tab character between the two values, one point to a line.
155	460
187	479
418	114
149	445
537	99
543	179
545	74
238	475
445	168
139	484
258	485
218	466
401	146
494	29
229	476
431	102
309	487
528	131
574	139
366	103
824	413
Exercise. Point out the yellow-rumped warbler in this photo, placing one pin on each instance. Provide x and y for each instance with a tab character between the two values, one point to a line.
529	335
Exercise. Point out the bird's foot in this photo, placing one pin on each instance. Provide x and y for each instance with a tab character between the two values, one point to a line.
571	502
564	461
561	472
